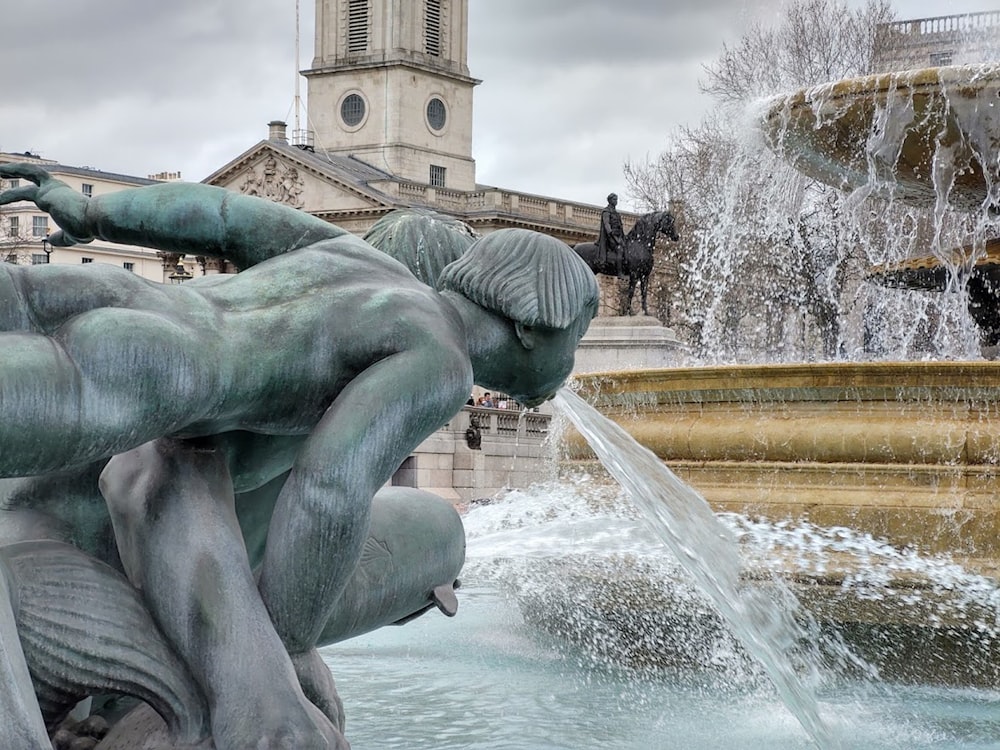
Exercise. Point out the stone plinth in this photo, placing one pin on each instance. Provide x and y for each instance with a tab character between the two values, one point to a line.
627	342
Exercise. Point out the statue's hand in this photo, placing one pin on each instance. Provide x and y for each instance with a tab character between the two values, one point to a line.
66	206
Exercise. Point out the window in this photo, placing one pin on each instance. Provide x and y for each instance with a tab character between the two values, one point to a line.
14	226
12	258
87	189
39	259
437	176
86	260
128	266
357	25
432	27
11	184
352	110
940	58
39	226
436	114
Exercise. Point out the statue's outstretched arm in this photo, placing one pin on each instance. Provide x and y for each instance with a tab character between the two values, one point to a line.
178	217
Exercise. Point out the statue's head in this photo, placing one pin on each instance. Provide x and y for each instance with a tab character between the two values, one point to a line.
544	289
422	240
613	199
666	225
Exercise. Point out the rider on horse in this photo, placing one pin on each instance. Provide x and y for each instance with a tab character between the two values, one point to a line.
611	240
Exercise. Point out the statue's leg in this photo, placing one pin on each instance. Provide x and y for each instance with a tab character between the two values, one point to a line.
627	301
20	715
171	503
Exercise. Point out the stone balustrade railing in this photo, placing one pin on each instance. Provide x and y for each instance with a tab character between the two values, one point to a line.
509	423
502	201
507	449
947	24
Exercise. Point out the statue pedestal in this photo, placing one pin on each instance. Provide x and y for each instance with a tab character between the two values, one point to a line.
627	343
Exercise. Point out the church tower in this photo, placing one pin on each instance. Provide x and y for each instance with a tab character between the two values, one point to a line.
390	85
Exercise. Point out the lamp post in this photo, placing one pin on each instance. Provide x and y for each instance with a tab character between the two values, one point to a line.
180	275
47	248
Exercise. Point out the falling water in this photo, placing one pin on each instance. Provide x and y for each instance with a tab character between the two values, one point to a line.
682	519
789	265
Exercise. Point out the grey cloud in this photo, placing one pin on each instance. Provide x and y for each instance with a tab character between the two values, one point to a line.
571	87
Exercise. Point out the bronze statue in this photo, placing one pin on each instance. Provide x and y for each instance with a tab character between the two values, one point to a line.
320	367
611	239
638	253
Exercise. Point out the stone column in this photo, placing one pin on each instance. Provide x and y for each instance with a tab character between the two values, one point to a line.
212	266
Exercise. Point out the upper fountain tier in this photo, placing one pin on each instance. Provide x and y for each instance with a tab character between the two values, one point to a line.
929	137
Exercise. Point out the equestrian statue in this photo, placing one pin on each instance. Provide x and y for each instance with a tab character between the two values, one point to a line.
628	256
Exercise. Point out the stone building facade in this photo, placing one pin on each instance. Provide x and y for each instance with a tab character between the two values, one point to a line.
965	39
390	114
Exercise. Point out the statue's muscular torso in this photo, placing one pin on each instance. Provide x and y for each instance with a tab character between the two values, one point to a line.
267	350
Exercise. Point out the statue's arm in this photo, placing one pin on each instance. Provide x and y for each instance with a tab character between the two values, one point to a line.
321	519
173	217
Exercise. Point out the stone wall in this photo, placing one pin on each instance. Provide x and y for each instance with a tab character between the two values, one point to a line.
513	452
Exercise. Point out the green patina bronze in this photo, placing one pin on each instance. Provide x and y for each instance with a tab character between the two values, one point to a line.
281	398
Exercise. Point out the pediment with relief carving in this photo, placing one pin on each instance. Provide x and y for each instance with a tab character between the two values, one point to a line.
267	173
274	180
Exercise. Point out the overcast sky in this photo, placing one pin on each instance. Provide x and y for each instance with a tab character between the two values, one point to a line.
140	87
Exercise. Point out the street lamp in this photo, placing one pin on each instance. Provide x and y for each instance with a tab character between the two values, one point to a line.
180	275
47	248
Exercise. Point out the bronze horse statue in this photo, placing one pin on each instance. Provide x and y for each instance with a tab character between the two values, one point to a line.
638	260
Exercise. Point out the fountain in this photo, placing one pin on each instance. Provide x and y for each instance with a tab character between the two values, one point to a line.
549	650
927	136
905	453
799	457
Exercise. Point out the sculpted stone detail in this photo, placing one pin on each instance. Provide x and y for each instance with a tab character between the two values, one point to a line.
275	181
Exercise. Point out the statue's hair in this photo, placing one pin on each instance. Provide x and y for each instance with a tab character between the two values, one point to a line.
527	276
422	240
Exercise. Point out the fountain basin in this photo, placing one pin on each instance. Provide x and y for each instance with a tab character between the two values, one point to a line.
924	135
905	451
898	459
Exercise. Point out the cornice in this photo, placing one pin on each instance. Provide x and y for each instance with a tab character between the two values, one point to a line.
353	66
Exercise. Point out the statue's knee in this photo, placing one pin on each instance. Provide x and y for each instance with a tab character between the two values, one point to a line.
121	476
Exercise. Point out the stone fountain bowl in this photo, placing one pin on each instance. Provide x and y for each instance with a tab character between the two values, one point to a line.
908	452
928	137
933	272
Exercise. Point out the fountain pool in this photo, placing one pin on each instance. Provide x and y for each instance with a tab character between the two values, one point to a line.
497	676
